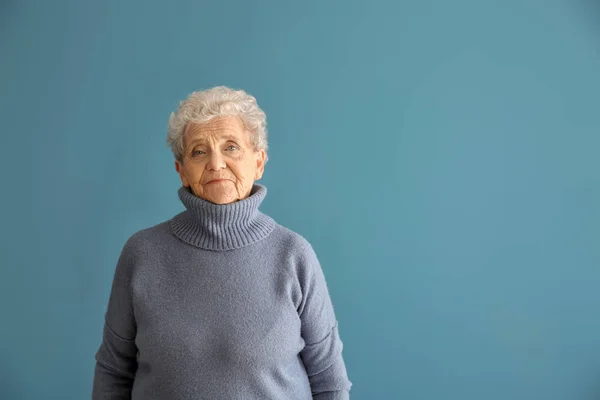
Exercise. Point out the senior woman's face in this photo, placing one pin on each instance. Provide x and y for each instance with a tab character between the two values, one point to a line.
219	162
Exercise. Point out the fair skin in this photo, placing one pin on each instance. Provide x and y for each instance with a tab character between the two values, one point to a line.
220	163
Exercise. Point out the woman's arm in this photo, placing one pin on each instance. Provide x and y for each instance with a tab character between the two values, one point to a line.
322	354
116	359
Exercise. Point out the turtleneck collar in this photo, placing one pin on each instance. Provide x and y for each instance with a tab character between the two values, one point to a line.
220	227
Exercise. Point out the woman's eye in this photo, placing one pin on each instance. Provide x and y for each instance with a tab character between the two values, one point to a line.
232	146
196	152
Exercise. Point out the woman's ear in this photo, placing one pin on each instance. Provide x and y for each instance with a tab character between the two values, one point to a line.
179	169
260	164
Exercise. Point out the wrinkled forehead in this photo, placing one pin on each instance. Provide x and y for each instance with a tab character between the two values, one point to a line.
220	129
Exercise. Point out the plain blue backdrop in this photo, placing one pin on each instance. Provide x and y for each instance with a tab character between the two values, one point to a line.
441	156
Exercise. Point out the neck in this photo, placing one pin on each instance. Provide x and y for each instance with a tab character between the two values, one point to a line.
222	227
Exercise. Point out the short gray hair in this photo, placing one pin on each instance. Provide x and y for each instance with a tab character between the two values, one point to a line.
202	106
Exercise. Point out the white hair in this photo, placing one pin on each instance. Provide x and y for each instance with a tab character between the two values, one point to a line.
202	106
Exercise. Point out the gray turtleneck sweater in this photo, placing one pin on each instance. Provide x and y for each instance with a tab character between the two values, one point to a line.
219	302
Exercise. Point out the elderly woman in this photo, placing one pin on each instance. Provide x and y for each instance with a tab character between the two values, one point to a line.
219	302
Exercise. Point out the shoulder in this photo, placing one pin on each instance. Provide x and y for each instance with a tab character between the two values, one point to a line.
140	250
303	262
292	240
297	248
147	238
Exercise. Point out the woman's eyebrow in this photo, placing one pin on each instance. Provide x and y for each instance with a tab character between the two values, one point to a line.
223	139
230	137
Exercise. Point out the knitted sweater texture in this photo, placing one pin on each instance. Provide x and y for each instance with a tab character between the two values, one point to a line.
219	302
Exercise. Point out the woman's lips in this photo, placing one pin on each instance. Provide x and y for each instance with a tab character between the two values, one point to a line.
217	181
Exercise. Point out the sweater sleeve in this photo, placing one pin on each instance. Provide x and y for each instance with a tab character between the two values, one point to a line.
116	358
322	354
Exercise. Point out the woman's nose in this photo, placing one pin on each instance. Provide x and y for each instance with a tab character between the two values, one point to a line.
215	161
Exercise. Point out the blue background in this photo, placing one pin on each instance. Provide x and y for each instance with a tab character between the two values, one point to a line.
441	157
